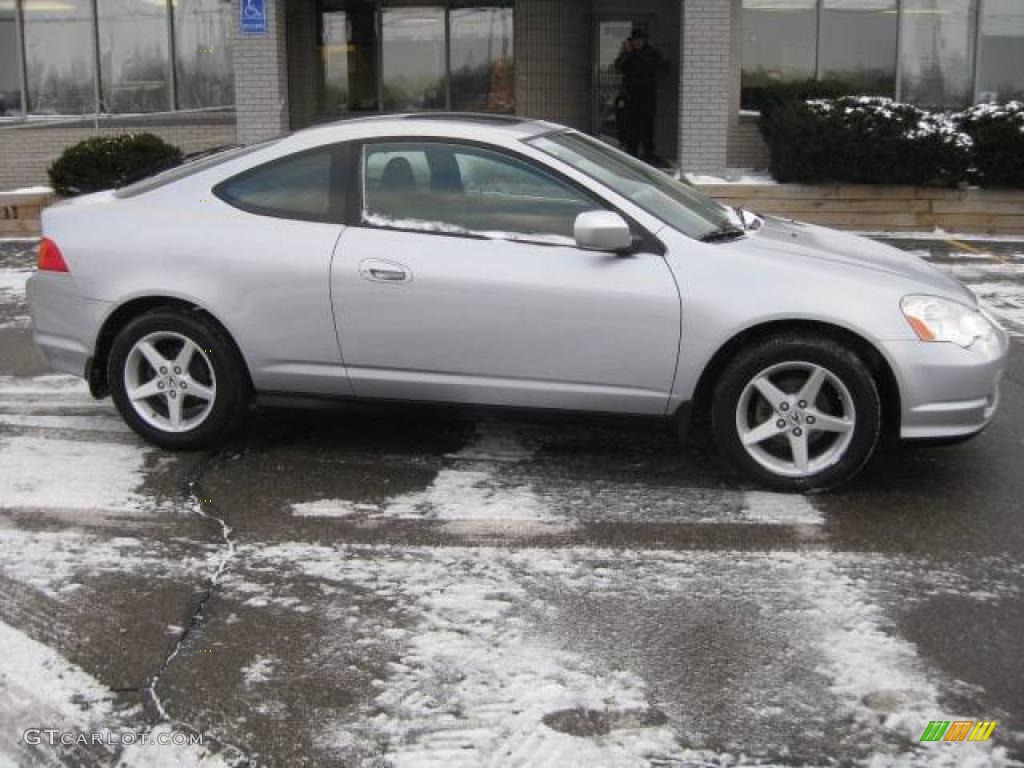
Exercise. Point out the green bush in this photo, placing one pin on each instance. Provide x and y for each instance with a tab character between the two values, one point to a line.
864	140
765	95
997	131
105	162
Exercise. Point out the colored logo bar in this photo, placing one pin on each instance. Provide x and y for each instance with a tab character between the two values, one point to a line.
959	730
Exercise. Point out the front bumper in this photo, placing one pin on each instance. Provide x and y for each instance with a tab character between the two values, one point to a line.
947	391
64	324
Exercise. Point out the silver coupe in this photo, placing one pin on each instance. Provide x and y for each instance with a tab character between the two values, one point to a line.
498	261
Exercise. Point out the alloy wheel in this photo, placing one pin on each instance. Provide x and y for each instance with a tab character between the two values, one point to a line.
795	419
170	382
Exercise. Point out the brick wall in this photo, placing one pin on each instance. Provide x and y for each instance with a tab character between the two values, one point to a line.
706	84
261	77
26	151
746	147
553	41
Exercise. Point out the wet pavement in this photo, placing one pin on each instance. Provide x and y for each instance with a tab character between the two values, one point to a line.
414	587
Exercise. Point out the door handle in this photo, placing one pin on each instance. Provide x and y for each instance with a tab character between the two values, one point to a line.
388	274
381	271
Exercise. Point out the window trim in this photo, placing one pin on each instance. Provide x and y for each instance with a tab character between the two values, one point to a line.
340	155
643	239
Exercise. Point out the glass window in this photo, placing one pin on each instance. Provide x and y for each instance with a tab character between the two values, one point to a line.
133	56
10	79
413	58
1001	65
675	203
779	43
348	56
858	44
481	59
204	162
295	187
938	52
59	56
459	189
202	46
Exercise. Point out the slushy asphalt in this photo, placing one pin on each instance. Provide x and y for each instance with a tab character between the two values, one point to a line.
407	586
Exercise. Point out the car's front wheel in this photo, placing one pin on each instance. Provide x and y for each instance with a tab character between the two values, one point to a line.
176	379
797	413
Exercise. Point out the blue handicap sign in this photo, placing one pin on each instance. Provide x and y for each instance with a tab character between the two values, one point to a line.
252	17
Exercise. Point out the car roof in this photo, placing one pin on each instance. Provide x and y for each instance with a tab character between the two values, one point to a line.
469	125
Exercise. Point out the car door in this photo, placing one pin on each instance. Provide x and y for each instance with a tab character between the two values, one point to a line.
459	281
275	244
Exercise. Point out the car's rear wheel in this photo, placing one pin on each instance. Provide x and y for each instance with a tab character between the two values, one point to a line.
176	379
797	413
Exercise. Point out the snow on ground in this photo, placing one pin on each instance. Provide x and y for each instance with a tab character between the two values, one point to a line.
36	190
480	681
12	295
497	477
471	490
780	509
733	176
48	472
998	284
259	671
51	459
57	563
40	688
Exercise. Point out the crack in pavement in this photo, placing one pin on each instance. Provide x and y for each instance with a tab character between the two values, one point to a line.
149	692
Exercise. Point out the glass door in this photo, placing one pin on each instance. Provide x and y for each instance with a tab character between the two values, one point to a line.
611	36
413	58
348	56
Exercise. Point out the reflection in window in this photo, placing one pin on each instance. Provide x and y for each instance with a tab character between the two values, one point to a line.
1001	65
348	56
58	53
779	43
202	46
481	59
413	58
10	79
456	189
296	187
858	44
938	51
133	56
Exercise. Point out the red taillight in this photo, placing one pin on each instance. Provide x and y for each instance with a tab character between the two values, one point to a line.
50	258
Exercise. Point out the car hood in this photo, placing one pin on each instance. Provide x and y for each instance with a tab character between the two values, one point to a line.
783	238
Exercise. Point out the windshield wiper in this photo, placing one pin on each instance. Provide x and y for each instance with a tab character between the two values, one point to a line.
724	232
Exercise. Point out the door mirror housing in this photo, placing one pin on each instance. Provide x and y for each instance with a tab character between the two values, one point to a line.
602	231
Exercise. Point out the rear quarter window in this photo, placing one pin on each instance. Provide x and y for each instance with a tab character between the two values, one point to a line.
307	186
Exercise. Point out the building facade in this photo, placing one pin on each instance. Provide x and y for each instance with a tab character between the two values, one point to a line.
203	73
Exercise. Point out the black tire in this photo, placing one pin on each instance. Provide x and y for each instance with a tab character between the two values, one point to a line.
232	393
828	353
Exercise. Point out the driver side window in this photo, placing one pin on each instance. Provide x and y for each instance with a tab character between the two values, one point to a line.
464	190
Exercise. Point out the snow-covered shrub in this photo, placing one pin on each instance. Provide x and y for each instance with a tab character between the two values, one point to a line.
868	140
998	134
105	162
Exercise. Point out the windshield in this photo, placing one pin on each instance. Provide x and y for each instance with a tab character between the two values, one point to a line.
675	203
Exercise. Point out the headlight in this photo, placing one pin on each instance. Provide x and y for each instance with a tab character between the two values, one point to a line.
935	319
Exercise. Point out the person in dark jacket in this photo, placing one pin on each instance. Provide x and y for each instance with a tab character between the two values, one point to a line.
640	66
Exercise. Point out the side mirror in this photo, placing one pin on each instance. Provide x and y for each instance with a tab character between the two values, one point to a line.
602	231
